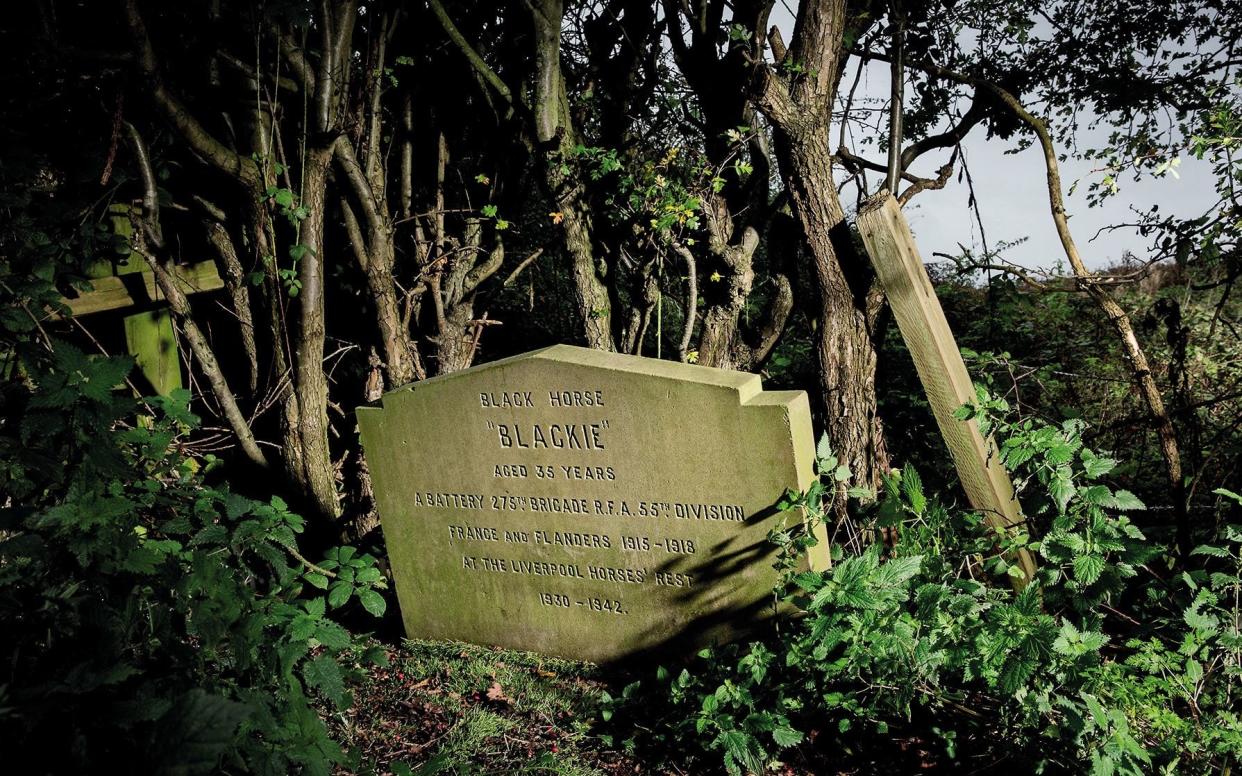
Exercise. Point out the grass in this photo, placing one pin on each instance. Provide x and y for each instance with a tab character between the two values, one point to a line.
447	708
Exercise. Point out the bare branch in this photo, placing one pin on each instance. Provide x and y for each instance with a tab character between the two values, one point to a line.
150	195
203	143
472	56
526	262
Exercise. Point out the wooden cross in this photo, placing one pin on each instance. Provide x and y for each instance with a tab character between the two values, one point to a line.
127	282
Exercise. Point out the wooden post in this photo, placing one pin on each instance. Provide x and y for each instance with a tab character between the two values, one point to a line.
149	335
940	367
127	281
150	338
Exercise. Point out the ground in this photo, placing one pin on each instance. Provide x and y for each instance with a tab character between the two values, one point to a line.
451	709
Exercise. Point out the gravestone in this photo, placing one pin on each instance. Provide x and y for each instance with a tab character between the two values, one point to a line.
586	504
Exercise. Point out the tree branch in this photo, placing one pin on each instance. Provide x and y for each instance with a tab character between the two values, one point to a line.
526	262
692	298
472	56
203	143
181	309
949	138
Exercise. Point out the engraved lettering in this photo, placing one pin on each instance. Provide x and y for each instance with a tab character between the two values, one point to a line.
673	579
575	398
622	575
473	533
560	436
635	543
506	399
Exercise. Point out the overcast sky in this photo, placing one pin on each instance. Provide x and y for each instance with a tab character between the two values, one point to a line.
1013	196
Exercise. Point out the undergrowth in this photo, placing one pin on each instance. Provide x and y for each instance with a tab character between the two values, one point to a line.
1115	658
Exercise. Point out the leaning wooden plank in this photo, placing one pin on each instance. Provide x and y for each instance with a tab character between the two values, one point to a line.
115	292
940	367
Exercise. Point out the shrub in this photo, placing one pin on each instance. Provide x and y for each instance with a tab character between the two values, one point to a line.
154	623
1106	661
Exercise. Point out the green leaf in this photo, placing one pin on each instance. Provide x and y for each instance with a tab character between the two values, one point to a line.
339	594
898	570
1207	549
1096	467
785	736
912	489
823	450
235	506
1062	489
373	602
323	673
196	732
283	197
1088	568
316	580
212	534
1198	620
1194	671
1229	494
1125	501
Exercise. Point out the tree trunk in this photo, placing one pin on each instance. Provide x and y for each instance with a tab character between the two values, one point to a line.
312	468
799	109
845	352
557	139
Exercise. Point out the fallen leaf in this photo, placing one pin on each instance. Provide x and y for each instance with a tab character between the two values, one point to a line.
497	693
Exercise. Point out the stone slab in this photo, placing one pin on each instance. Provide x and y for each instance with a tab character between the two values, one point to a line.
586	504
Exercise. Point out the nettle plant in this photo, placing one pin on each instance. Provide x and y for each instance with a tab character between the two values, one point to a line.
155	622
1098	663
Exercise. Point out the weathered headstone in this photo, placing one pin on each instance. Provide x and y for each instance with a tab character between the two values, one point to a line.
585	504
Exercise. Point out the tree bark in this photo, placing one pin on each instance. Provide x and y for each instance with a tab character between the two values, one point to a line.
380	257
313	469
555	134
799	108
